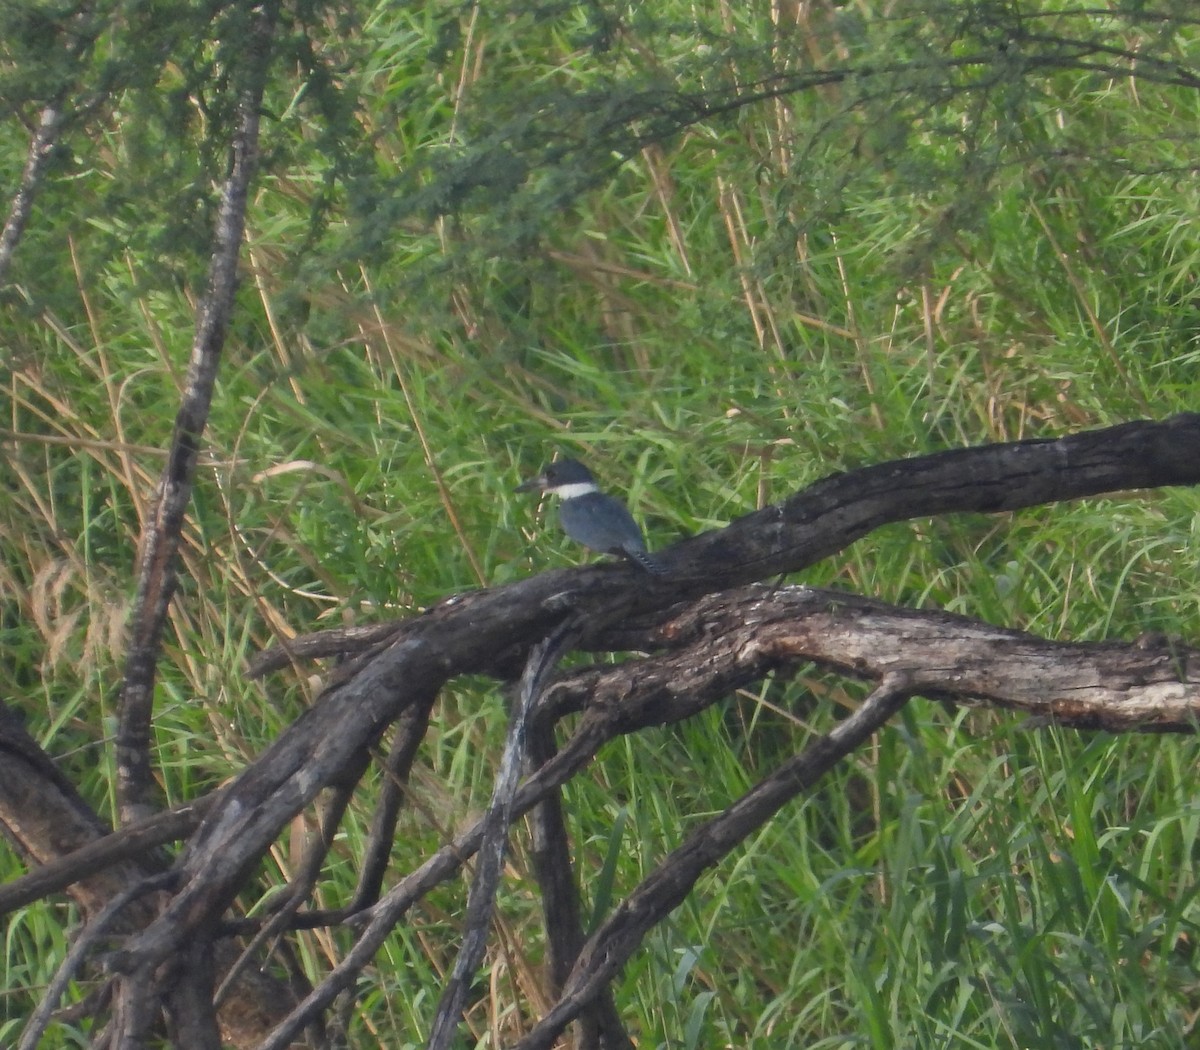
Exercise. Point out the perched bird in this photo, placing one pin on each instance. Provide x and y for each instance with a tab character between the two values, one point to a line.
590	517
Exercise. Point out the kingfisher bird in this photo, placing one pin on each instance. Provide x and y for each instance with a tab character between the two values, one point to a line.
589	516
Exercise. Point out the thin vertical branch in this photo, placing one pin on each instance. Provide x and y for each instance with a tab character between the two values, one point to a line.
542	659
410	732
551	857
599	1023
158	559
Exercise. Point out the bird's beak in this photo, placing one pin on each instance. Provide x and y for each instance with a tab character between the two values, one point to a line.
537	484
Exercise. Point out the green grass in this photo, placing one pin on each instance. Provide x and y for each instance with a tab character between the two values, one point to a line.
717	324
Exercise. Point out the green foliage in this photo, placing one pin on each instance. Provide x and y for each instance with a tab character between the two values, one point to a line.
720	256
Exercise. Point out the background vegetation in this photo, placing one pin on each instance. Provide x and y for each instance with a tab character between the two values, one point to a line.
688	246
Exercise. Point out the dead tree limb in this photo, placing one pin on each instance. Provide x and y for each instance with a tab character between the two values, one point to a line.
41	148
709	633
600	1025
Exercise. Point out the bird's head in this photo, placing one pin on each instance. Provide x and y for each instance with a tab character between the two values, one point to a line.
565	478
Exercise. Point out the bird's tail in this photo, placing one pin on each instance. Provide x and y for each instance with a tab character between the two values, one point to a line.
648	562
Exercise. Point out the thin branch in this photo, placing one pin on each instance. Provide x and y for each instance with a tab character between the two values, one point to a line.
494	841
551	855
410	731
130	843
84	27
600	1024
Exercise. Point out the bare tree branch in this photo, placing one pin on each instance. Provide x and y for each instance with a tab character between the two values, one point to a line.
728	641
710	637
410	731
485	631
788	536
85	28
709	626
494	839
92	855
1151	685
45	817
832	514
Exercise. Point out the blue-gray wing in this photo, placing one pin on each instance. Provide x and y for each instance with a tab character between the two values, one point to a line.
604	524
601	523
